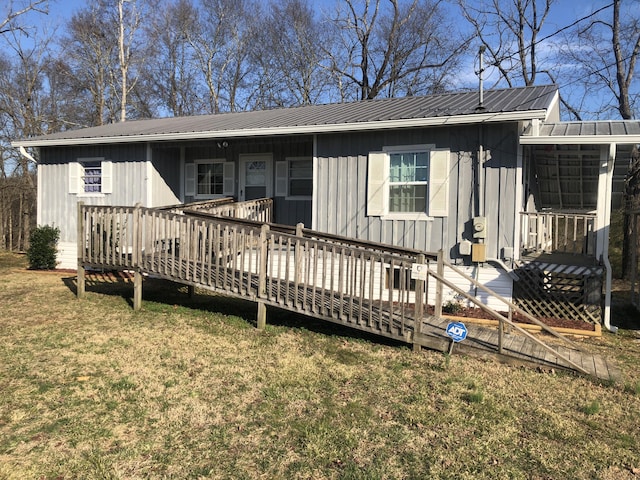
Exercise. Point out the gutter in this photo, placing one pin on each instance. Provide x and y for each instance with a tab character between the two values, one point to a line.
288	130
579	139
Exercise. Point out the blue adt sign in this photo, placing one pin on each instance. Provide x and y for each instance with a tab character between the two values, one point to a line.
457	331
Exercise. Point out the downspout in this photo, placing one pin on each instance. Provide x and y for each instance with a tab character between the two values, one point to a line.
508	270
479	108
480	161
605	239
27	155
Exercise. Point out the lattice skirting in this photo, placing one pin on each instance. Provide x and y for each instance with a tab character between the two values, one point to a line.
559	291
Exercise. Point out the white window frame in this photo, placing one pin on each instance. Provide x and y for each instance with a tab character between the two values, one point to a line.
379	184
207	161
407	149
77	184
283	179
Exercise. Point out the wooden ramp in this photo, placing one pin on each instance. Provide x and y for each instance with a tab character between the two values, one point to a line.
361	285
519	350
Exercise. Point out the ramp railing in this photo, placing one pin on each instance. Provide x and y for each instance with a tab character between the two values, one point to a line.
364	285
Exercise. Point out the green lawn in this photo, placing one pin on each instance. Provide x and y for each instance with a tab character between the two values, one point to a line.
188	388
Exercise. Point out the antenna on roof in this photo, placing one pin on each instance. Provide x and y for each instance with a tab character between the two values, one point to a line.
481	79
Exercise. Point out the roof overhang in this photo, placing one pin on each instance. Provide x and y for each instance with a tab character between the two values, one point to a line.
580	140
470	119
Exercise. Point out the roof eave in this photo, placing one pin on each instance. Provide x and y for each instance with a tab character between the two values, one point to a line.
579	139
292	130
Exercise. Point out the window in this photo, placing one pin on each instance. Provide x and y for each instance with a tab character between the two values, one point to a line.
294	177
408	182
300	175
90	177
210	178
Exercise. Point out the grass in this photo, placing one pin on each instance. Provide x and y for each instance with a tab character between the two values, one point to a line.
188	388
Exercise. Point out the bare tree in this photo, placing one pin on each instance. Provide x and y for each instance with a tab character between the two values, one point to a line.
601	58
105	49
393	47
13	11
222	41
175	83
89	48
510	32
289	55
24	112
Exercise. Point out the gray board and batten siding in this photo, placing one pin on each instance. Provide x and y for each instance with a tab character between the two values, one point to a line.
57	205
341	190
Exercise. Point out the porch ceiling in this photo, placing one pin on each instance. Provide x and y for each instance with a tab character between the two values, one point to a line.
567	175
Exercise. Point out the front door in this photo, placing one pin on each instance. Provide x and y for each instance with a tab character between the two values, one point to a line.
256	177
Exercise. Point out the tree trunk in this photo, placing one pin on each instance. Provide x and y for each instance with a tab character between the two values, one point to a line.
3	235
20	219
631	201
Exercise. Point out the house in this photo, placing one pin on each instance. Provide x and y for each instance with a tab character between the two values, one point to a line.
517	198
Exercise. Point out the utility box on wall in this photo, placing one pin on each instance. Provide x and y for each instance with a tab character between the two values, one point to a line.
479	227
478	252
464	247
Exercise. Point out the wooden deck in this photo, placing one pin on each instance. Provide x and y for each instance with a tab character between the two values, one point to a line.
355	284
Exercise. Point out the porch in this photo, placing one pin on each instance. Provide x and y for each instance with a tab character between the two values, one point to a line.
558	274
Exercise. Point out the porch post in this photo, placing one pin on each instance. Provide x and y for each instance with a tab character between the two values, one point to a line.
137	289
80	292
262	278
419	306
603	219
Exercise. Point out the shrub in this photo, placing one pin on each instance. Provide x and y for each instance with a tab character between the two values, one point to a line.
453	307
43	248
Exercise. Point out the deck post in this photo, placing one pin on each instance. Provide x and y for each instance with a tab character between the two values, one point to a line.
137	235
299	254
501	332
262	277
137	290
80	293
262	274
438	301
419	306
261	322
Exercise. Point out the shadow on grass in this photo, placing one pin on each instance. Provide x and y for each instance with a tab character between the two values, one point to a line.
623	313
166	292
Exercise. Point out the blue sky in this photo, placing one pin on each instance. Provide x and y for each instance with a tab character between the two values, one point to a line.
563	13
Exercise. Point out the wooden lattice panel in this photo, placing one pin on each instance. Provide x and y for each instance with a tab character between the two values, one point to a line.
559	291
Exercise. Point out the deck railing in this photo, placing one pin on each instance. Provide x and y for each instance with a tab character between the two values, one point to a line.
364	285
558	232
203	206
260	210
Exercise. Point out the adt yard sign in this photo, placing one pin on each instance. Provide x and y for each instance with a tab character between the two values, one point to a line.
457	331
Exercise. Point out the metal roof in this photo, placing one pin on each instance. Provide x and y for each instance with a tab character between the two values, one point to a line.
448	108
589	132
